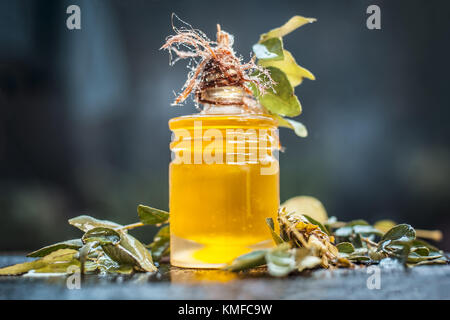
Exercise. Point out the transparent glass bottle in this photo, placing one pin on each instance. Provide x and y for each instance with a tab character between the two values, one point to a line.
224	183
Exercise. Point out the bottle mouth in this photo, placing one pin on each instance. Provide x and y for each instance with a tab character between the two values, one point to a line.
222	96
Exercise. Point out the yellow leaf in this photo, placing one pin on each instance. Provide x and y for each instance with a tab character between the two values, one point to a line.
289	66
293	23
307	205
62	255
298	127
384	225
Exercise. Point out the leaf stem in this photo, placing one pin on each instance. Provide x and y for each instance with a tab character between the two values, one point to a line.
435	235
369	242
131	226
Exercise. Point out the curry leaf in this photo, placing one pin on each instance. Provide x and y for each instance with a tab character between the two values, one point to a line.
281	99
149	215
247	261
69	244
161	243
293	23
86	223
422	251
101	235
298	127
60	256
401	232
345	247
269	50
130	251
289	66
306	260
275	236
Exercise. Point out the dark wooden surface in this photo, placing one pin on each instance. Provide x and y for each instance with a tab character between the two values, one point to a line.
425	282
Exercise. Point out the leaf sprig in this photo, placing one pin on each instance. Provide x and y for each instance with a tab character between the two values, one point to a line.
105	247
281	100
264	87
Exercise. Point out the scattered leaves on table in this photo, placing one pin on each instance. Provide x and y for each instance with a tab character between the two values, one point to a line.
105	247
304	236
303	242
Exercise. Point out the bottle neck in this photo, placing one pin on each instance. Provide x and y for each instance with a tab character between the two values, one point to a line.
223	100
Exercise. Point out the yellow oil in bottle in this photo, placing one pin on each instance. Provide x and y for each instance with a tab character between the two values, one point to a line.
224	183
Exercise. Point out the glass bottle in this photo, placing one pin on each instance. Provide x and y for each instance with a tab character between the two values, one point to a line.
223	181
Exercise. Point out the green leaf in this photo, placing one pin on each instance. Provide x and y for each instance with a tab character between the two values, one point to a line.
101	235
294	72
247	261
275	236
269	50
60	256
86	223
441	260
401	232
299	129
104	264
69	244
422	251
131	252
345	247
149	215
281	99
293	23
399	249
161	243
358	258
414	257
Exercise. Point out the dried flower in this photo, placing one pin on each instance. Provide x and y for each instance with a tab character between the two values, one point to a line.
214	64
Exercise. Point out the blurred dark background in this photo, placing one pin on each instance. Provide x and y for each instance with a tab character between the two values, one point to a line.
83	113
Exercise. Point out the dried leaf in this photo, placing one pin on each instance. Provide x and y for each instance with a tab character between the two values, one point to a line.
401	232
281	260
306	260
